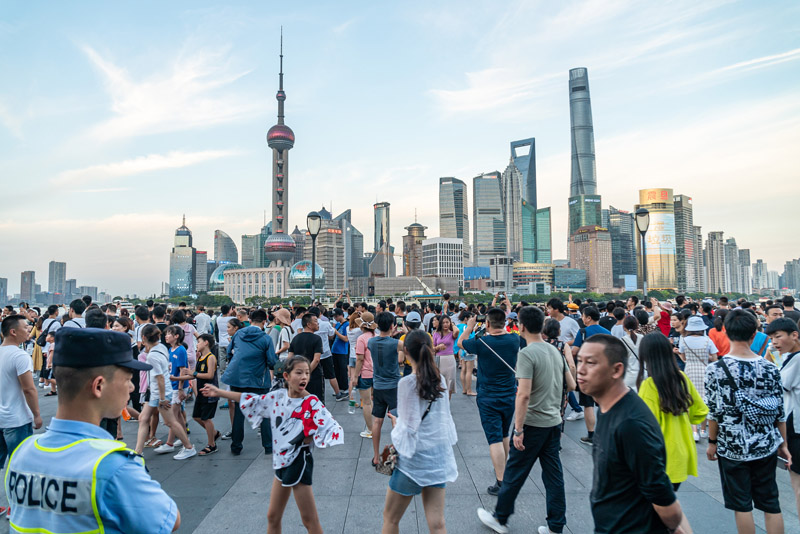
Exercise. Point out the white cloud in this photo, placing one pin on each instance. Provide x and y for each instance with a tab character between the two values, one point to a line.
11	122
143	164
761	62
186	96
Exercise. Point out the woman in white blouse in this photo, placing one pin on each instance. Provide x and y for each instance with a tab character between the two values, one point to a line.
423	435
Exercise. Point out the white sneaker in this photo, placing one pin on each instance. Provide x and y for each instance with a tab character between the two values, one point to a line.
544	530
696	436
703	434
163	449
185	454
574	416
366	434
488	519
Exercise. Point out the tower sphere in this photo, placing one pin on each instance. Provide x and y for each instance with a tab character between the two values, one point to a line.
280	248
280	137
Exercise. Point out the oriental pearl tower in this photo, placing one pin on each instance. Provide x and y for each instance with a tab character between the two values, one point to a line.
280	247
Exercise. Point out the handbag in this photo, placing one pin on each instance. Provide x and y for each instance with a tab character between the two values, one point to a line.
761	411
388	461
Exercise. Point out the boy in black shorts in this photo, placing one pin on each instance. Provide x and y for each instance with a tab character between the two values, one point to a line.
205	372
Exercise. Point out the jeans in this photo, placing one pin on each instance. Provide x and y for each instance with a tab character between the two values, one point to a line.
542	444
237	432
573	402
10	438
340	368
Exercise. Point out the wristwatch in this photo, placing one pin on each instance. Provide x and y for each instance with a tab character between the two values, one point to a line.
518	432
712	441
194	374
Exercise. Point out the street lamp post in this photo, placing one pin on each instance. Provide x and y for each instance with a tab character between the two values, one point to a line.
642	223
314	223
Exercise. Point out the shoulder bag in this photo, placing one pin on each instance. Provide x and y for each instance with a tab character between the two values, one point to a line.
42	339
388	462
761	411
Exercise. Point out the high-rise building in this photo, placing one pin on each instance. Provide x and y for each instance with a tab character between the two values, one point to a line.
732	279
412	250
224	248
330	255
299	238
181	262
760	275
584	202
512	212
353	245
70	289
590	250
745	272
27	288
454	212
382	236
773	280
253	253
3	291
488	221
523	155
544	236
684	244
57	276
790	279
200	271
88	290
622	228
715	263
280	248
699	259
660	238
442	257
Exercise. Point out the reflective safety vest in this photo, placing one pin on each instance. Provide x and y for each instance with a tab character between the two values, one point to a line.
54	490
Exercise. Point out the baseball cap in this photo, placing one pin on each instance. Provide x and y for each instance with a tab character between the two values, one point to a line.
94	347
573	306
413	317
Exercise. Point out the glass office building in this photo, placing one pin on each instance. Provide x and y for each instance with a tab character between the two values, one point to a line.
523	154
622	227
488	222
454	212
381	225
584	202
225	248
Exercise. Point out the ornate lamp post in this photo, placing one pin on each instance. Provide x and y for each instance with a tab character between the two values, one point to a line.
642	223
314	223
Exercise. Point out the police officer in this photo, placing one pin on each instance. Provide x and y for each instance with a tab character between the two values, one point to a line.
75	478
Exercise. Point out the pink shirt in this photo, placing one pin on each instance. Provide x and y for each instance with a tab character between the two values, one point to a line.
448	340
361	348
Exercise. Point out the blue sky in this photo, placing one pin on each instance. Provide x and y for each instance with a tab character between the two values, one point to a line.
117	118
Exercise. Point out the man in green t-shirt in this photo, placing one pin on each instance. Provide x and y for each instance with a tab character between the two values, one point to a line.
541	371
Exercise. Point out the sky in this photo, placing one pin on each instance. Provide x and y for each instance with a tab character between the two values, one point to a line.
118	118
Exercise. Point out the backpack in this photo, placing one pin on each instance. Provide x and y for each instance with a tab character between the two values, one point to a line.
42	339
761	411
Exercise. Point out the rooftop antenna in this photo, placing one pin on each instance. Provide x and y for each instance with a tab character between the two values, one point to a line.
415	215
184	220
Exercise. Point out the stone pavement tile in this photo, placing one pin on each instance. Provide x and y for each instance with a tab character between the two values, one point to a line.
571	483
460	514
696	507
243	513
473	443
334	476
482	474
365	515
368	481
464	484
203	479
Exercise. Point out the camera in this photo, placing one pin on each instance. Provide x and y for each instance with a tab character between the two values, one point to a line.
480	318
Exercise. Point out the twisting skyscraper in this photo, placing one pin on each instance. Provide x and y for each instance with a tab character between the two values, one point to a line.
584	202
280	247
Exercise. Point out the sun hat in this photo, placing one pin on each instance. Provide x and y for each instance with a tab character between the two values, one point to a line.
695	324
367	320
573	306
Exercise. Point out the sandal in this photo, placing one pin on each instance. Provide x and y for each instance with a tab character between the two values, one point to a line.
208	450
217	436
51	394
153	442
472	394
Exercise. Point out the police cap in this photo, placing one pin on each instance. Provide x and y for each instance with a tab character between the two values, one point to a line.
94	347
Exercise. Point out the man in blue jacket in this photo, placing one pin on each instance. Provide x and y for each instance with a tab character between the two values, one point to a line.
247	371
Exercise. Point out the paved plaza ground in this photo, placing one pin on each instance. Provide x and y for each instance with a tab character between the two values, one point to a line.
226	493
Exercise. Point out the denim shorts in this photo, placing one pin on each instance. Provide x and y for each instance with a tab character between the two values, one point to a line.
364	383
469	357
497	414
352	361
401	484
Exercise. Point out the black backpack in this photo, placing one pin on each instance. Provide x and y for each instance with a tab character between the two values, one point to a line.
42	339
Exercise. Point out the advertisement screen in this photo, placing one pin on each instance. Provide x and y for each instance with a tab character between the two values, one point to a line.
660	236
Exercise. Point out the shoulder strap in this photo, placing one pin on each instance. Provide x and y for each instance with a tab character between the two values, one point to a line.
724	366
426	411
498	356
763	346
628	346
788	359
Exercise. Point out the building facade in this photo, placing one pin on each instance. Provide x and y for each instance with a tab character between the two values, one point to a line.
584	202
660	238
544	236
412	250
685	251
590	250
353	245
733	282
528	273
27	287
699	259
382	221
622	227
501	271
454	212
224	248
523	156
443	257
760	275
488	221
567	279
715	263
745	271
92	291
200	271
181	262
330	255
57	276
254	255
3	291
512	212
267	282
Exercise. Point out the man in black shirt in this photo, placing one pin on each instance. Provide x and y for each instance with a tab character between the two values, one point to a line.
307	343
631	492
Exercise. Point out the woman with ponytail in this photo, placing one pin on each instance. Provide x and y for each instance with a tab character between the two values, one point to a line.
423	435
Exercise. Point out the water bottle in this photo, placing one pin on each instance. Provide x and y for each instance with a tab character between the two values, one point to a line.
351	407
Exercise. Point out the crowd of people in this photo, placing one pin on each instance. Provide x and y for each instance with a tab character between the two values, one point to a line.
650	379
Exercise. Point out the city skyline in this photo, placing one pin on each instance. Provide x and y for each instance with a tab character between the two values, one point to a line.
724	121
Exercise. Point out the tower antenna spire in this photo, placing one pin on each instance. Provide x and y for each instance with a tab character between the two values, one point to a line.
281	96
184	220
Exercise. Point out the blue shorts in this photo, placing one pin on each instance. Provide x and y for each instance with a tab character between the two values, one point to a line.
497	415
364	383
401	484
468	357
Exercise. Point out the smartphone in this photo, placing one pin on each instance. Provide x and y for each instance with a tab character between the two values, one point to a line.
783	463
399	321
481	318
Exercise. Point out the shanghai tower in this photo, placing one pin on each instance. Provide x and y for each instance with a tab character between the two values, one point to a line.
584	202
280	247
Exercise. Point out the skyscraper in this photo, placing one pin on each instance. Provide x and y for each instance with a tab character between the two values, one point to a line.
57	276
660	238
253	253
353	245
224	248
27	288
488	221
544	237
3	291
181	262
330	255
622	227
200	271
512	211
715	263
382	236
590	250
454	212
584	202
523	154
412	250
745	272
732	278
759	275
685	251
280	247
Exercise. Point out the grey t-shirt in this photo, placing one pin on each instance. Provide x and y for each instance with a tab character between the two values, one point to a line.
544	365
385	367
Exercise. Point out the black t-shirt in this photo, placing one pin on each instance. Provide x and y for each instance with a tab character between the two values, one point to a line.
307	344
629	470
794	315
494	377
202	367
608	322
